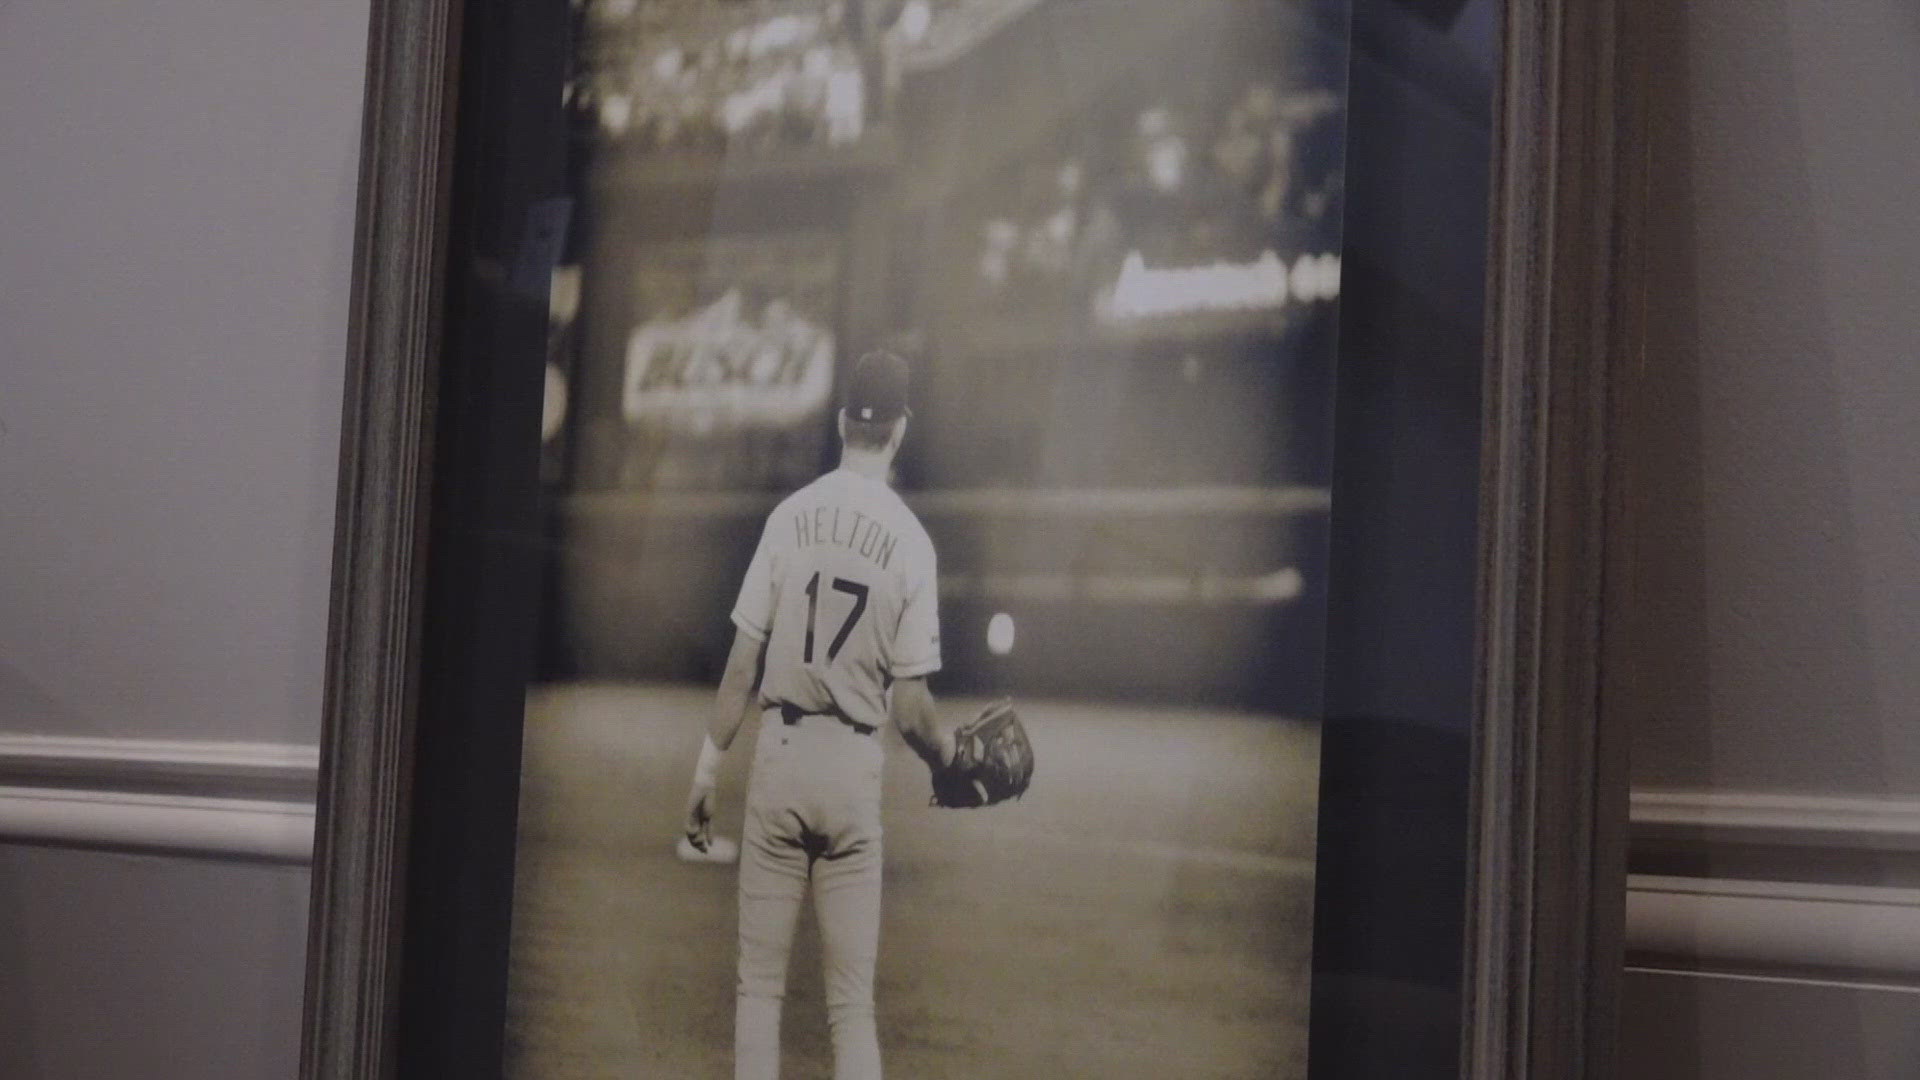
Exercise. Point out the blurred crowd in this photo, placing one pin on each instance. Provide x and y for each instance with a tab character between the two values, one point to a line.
733	76
1187	197
1170	186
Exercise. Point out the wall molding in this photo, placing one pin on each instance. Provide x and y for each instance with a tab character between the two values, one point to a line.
1709	819
172	824
187	797
1863	933
255	801
1746	904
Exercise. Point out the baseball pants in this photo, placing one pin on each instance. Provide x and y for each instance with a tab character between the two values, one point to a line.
812	819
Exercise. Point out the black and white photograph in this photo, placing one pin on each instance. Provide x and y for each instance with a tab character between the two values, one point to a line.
936	481
955	540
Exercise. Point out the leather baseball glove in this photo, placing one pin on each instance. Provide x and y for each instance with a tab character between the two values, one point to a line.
992	761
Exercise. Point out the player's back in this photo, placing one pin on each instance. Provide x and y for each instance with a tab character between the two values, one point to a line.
847	575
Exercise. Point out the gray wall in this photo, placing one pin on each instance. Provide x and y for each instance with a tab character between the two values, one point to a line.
1778	544
1777	547
127	967
1689	1027
175	252
176	211
1769	620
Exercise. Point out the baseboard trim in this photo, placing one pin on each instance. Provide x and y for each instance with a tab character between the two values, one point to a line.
202	798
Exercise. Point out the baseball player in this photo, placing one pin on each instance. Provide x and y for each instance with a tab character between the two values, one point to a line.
839	615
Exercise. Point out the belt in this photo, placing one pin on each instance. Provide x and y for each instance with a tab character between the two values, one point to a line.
791	715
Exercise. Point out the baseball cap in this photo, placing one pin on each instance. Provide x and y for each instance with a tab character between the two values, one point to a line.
877	388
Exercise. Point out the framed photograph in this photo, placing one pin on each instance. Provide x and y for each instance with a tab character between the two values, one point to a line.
980	538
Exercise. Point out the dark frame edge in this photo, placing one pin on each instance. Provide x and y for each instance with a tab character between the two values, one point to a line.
359	863
1547	857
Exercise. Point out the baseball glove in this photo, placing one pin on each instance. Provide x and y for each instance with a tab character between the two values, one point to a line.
992	761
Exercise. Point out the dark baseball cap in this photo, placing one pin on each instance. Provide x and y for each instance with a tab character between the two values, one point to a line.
877	388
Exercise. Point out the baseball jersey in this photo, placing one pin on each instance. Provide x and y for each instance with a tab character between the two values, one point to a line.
842	589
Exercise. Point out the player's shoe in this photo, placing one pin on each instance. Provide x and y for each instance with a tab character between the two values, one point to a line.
720	850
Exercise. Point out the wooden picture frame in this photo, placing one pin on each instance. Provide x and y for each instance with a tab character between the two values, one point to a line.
1547	871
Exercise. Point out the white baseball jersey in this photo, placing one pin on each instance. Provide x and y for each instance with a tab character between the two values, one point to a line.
843	590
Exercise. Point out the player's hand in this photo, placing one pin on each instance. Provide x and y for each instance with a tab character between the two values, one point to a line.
700	818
